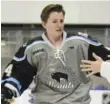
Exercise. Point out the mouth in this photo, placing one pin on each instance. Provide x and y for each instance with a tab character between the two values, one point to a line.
59	30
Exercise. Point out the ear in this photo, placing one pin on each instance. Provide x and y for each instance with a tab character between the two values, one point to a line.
43	24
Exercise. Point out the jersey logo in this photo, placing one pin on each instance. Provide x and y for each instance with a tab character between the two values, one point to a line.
58	76
71	47
38	50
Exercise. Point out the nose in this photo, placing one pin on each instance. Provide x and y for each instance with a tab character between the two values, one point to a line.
59	24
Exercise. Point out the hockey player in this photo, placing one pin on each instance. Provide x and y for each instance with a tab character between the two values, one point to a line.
53	61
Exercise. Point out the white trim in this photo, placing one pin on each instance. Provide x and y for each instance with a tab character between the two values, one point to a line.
22	58
85	39
51	45
11	87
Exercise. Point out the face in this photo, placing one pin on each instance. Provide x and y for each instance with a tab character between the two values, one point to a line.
54	25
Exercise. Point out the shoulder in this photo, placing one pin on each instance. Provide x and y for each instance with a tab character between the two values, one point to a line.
36	39
21	53
71	34
83	37
33	41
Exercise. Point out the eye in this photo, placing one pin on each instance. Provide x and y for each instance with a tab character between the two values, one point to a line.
61	21
54	21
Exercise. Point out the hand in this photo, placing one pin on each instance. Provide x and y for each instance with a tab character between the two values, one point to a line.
93	66
6	93
4	100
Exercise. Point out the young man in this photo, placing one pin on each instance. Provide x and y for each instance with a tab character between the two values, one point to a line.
96	66
53	61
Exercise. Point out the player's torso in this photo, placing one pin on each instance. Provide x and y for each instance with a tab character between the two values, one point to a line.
58	69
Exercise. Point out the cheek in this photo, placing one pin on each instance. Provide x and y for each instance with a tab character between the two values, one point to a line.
51	27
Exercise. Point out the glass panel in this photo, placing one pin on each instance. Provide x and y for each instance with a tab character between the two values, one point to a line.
13	37
98	33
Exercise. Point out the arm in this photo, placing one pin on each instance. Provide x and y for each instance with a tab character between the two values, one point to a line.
95	47
98	49
18	74
96	66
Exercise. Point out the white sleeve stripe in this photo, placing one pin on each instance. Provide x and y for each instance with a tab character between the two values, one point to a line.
15	81
85	39
22	58
12	88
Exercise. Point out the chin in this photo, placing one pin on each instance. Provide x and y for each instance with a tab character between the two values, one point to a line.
59	33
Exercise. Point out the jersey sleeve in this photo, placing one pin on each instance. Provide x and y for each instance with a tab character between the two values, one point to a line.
19	72
95	47
98	49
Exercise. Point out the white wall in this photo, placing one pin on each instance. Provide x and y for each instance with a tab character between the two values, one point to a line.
95	12
77	12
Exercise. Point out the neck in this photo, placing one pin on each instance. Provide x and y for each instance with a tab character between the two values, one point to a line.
56	41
